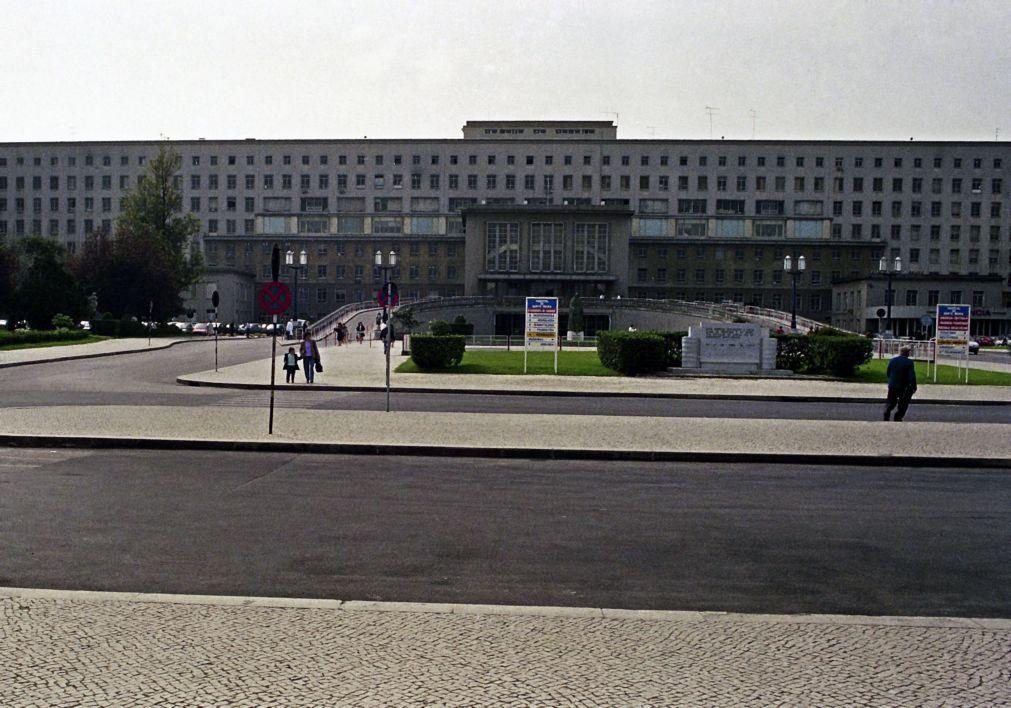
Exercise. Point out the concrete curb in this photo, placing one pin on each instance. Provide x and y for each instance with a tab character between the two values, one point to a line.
186	381
77	357
995	624
322	448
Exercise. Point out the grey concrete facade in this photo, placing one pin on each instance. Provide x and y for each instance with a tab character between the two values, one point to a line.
943	207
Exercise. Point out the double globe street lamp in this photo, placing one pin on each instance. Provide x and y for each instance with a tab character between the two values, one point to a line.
795	274
889	272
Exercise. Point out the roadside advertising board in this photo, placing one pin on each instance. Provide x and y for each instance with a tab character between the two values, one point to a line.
541	330
953	329
541	323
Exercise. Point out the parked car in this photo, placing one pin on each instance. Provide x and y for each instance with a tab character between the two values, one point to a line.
984	340
201	328
974	347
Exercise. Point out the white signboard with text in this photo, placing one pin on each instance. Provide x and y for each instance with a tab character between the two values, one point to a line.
541	330
730	343
953	329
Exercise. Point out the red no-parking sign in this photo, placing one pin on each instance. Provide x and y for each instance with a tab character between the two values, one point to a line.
274	297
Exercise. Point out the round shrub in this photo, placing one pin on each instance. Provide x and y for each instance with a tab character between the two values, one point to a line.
429	351
631	353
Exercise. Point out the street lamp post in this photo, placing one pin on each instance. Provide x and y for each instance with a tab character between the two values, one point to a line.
889	272
388	303
795	274
296	268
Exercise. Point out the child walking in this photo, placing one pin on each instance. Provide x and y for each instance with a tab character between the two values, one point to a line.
290	365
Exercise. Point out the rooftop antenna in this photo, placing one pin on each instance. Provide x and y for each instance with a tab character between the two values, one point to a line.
709	111
754	116
996	134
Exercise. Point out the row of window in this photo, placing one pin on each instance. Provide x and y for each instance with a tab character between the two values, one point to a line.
845	301
548	183
588	253
737	276
90	160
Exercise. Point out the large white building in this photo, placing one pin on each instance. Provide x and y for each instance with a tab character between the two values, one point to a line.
686	219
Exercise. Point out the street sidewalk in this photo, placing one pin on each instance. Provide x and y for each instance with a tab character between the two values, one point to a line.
298	425
148	650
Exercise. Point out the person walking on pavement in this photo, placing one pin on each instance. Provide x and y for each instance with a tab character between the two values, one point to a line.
290	365
901	384
309	355
289	329
360	329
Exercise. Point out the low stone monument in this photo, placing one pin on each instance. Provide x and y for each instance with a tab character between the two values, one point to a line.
730	348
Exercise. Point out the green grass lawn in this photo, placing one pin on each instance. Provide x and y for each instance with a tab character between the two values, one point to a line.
538	363
91	338
575	363
874	372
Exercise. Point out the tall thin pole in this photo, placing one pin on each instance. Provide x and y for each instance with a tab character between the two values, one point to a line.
793	315
888	300
389	332
296	296
273	366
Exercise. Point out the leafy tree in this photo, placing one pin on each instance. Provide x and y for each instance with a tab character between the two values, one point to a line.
129	274
45	285
8	283
150	259
406	319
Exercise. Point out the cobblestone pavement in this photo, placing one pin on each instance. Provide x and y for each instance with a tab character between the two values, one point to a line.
95	652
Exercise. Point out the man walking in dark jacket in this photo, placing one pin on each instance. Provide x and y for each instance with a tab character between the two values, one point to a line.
901	384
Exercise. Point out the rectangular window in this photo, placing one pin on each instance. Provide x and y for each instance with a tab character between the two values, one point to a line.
387	225
730	206
769	229
691	206
590	248
652	226
730	228
691	228
423	224
547	242
350	225
502	247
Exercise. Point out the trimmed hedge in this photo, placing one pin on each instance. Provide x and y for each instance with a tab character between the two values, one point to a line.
439	328
430	351
41	336
672	347
823	352
792	351
839	355
632	353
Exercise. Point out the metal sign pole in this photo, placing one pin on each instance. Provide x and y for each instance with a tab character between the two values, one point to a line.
388	309
215	340
273	367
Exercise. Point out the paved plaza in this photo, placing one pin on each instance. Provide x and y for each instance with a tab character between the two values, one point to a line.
92	649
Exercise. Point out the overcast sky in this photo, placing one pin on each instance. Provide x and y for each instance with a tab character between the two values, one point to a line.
842	69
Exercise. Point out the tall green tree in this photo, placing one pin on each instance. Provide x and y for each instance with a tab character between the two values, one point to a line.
129	274
8	282
150	260
46	287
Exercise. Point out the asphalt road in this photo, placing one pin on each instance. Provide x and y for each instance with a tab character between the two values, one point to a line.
744	538
148	378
